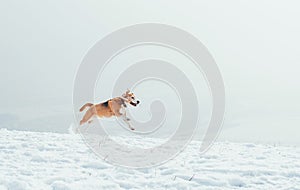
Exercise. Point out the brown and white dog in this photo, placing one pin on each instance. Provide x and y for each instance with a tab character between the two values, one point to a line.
112	107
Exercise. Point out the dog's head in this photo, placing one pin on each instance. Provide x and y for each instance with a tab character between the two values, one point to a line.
130	98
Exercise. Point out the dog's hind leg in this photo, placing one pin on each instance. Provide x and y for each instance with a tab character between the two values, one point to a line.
88	115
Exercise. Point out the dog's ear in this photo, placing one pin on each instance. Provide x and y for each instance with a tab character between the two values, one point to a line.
126	93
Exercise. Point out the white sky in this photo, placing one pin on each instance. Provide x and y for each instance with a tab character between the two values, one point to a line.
255	44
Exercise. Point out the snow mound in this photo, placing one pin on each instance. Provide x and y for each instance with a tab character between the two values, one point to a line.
34	160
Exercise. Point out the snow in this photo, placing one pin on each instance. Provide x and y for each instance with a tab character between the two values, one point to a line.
40	160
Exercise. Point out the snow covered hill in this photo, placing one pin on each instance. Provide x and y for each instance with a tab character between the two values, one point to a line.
34	160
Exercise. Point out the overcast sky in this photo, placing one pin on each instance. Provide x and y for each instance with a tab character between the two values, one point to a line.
255	44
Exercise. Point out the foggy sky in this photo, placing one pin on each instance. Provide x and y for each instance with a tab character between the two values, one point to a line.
255	44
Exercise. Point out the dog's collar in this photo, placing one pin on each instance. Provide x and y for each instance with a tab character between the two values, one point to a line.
124	99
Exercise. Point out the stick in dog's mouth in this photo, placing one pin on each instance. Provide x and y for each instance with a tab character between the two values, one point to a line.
134	104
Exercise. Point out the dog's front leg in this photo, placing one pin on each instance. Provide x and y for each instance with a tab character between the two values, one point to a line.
125	116
126	119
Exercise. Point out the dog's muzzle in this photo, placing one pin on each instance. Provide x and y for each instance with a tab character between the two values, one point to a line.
135	104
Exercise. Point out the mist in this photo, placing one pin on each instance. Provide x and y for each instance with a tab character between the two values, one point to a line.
254	43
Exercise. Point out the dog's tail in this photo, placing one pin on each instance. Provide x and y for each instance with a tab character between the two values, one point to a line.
85	105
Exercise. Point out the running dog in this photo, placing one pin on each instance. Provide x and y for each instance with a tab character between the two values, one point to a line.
112	107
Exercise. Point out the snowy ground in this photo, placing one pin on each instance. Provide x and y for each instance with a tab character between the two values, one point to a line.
33	160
